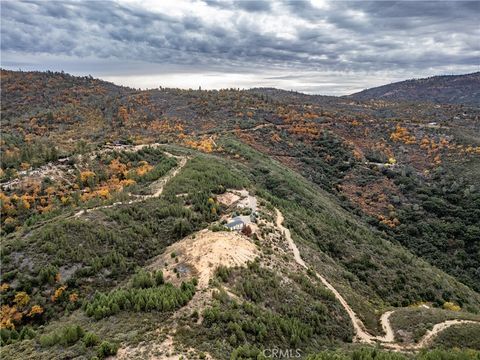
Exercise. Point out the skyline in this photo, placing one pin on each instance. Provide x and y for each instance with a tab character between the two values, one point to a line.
318	47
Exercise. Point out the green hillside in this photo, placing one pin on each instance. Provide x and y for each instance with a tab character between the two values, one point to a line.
120	240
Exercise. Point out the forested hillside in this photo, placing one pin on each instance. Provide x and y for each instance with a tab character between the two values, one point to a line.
116	205
448	89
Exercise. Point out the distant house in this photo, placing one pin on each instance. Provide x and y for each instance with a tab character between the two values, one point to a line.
236	224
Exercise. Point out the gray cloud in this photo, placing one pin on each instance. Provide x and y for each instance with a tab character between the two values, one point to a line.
373	38
254	5
248	5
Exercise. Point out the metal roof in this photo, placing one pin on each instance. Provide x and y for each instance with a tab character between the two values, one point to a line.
234	222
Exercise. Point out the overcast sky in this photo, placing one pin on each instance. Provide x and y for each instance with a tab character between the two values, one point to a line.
322	47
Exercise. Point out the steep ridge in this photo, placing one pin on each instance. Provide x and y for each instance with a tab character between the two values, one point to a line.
361	334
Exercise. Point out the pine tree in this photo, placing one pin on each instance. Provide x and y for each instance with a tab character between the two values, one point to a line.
159	278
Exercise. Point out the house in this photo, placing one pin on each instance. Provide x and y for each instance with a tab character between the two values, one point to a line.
236	224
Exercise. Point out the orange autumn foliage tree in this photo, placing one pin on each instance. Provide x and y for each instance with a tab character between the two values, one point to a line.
391	223
35	310
308	129
58	293
86	175
275	137
425	143
73	297
117	168
123	114
166	126
206	144
472	149
357	154
401	134
144	168
9	316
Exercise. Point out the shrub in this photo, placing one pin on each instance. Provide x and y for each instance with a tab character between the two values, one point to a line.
47	274
90	339
142	280
106	349
448	305
71	334
27	333
247	352
67	335
159	278
223	273
247	231
49	339
8	336
218	227
181	228
376	354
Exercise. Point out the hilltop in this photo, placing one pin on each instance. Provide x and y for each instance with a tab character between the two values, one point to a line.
446	89
358	223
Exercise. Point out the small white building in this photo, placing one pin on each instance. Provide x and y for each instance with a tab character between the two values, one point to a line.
236	224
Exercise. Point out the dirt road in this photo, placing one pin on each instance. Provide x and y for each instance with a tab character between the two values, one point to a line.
361	334
157	186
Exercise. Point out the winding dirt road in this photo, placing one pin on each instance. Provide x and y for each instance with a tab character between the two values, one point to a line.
361	333
157	186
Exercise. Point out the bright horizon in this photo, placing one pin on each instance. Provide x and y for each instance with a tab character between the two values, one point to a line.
131	83
314	47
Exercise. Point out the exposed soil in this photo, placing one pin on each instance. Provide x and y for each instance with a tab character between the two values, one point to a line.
361	334
164	350
200	254
197	256
228	198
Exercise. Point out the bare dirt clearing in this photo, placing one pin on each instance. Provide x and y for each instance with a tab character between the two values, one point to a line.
153	351
200	254
228	198
163	350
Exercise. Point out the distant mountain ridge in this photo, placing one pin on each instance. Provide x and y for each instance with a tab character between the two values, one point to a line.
446	89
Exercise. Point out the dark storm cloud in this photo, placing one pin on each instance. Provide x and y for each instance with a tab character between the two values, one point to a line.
234	36
253	6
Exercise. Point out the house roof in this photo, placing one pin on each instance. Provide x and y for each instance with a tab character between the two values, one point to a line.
236	221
